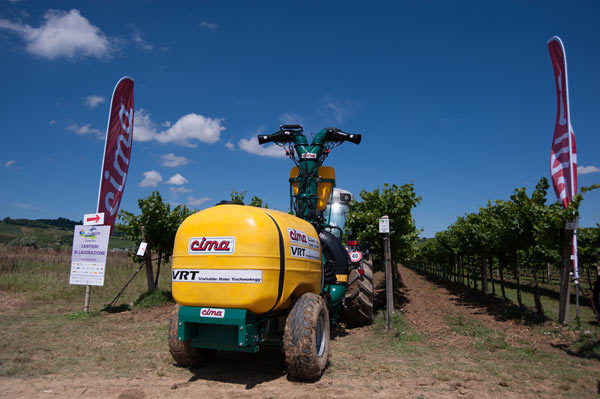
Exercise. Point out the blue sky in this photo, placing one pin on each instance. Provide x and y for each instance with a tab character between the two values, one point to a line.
455	97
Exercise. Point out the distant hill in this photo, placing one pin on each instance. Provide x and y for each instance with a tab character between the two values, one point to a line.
60	223
53	233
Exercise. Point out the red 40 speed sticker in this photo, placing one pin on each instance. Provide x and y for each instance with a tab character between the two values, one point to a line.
355	256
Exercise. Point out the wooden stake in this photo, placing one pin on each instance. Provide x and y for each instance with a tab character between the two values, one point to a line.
148	260
565	279
389	288
86	304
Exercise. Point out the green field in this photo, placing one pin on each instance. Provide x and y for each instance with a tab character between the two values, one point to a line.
48	237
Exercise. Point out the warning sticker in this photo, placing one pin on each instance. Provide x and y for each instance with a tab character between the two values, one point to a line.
216	276
305	253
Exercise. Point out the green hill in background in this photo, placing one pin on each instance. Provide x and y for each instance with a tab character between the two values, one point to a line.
48	233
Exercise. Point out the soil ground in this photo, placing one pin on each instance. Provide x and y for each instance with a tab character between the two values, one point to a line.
447	347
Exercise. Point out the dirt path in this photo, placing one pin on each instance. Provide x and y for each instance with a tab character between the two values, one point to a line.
429	307
437	362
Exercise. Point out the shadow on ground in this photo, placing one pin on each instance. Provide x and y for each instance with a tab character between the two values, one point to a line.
248	369
585	347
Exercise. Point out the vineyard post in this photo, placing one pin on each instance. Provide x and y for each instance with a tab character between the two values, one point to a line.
148	260
563	306
384	228
484	282
572	226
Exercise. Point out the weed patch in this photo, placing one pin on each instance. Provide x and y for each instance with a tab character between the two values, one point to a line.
400	331
484	338
154	298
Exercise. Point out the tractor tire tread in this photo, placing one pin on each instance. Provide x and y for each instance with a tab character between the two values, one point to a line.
184	354
299	338
359	298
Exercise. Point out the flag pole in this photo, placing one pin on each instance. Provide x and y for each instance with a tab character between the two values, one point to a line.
573	175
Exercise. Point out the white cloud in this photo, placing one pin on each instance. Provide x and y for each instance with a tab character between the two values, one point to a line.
52	122
62	34
151	179
191	201
144	129
171	160
176	190
177	180
10	163
26	206
188	129
229	145
270	150
334	111
210	26
85	129
290	118
584	170
94	101
140	42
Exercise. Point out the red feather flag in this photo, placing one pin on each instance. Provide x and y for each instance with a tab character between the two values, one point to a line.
117	150
563	154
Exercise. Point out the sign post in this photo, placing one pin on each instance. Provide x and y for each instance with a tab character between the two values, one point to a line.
571	228
384	228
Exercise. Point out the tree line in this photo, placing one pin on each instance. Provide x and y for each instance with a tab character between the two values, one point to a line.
523	234
520	236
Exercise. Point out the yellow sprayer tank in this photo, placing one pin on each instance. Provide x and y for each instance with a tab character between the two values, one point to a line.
244	257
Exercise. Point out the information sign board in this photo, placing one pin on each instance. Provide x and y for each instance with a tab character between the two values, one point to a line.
384	225
88	260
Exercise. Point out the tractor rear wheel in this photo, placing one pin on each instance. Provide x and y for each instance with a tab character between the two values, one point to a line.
358	310
306	338
184	354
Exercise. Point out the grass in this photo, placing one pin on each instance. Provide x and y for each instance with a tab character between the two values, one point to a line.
483	338
38	343
42	275
549	302
49	333
81	315
155	298
400	332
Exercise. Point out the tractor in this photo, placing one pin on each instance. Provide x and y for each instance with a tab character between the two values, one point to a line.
246	278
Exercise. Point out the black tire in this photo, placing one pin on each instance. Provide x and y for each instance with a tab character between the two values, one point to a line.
306	338
358	301
184	354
